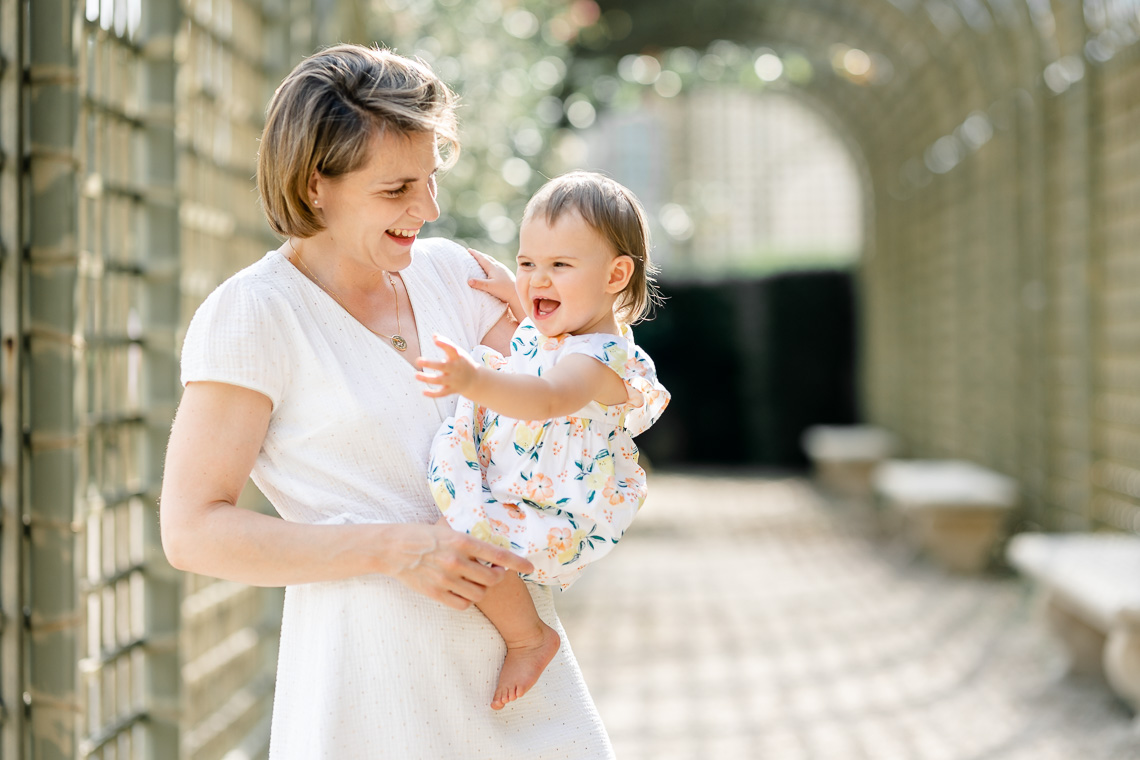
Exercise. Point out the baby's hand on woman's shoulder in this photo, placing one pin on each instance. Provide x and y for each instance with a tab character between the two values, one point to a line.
500	282
453	374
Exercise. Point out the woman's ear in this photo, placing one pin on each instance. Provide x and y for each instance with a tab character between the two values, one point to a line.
621	270
314	188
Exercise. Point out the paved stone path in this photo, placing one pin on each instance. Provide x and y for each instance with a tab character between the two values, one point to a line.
742	617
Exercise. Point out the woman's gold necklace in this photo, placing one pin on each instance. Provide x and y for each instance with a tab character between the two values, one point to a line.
396	340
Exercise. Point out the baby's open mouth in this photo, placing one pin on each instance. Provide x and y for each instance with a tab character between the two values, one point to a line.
544	307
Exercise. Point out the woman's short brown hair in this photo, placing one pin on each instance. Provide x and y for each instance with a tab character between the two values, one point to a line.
325	114
614	213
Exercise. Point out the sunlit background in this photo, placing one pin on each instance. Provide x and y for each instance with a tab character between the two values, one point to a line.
738	172
917	215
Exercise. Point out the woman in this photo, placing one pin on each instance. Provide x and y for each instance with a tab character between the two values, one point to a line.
299	370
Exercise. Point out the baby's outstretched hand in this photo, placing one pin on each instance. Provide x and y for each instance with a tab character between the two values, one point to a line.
453	374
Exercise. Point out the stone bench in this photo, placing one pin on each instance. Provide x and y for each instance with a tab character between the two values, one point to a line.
954	511
1093	600
844	457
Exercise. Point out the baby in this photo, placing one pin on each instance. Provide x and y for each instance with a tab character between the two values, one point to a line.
539	456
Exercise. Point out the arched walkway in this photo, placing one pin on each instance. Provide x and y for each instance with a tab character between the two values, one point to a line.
1000	138
1000	149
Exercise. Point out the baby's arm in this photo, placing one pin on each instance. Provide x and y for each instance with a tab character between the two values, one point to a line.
500	334
499	283
571	384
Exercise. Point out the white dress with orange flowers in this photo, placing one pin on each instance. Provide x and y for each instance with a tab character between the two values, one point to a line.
560	492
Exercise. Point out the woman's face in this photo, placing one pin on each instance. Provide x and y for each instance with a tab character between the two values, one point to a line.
374	213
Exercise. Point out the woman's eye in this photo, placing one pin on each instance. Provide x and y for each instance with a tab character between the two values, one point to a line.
395	193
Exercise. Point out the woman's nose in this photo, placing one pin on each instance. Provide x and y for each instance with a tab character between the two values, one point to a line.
424	205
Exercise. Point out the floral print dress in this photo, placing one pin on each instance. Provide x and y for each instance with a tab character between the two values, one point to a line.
560	492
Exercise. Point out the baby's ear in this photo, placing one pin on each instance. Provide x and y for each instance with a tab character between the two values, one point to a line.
621	270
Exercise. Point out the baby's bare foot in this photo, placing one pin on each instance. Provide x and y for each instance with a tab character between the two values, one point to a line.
525	661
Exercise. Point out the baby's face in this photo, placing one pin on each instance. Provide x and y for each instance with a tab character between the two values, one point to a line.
565	277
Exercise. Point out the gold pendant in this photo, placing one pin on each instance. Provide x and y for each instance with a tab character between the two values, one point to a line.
399	343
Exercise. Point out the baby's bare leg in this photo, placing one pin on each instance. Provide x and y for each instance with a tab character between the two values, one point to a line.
531	643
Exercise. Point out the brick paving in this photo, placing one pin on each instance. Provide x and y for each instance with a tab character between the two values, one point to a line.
743	617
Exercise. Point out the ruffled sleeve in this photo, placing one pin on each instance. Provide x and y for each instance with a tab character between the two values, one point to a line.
635	368
641	375
234	338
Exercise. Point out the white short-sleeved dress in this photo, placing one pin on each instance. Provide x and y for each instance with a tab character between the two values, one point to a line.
559	492
369	669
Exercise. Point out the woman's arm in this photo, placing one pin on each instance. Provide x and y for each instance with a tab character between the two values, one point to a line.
215	439
571	384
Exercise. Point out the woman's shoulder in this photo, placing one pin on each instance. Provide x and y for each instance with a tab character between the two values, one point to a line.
238	334
441	270
263	282
440	249
258	298
445	259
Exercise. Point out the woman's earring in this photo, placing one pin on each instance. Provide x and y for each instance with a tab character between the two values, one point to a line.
316	202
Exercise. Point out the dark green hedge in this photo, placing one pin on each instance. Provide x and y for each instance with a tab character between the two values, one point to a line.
751	363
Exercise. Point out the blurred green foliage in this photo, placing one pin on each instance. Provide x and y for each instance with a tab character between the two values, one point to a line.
531	72
648	26
508	63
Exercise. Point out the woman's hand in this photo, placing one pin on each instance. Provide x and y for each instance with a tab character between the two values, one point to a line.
448	566
500	282
213	444
454	374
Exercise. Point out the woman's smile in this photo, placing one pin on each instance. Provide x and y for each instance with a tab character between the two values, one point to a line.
403	237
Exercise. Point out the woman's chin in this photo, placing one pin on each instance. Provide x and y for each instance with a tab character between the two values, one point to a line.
393	258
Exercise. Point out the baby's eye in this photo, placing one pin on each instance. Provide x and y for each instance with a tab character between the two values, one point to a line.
525	265
561	264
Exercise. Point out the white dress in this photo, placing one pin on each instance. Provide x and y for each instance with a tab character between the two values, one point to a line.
368	668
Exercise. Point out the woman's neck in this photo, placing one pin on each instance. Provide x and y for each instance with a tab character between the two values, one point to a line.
322	261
